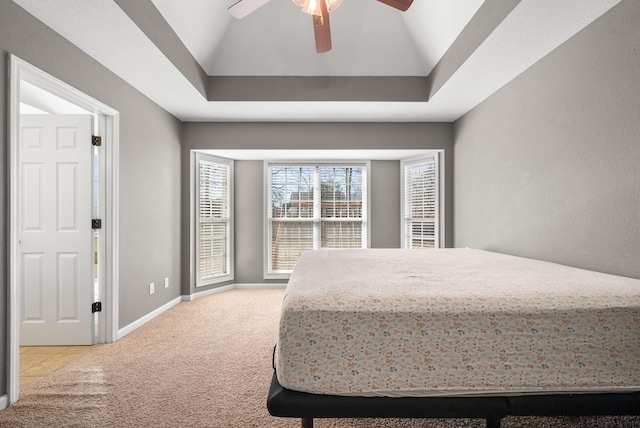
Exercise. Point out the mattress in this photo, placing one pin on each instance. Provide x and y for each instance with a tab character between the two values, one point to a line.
454	322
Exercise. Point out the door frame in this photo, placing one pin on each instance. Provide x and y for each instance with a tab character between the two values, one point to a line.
108	128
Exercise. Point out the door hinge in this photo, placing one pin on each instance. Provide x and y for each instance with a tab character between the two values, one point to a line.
96	307
96	223
96	140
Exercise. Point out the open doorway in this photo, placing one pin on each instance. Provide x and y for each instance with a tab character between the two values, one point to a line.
60	260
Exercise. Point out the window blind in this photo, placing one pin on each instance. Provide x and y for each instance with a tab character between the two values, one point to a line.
214	220
311	207
341	207
421	203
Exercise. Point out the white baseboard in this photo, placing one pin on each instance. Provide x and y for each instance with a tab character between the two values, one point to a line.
211	291
145	319
262	286
199	294
4	402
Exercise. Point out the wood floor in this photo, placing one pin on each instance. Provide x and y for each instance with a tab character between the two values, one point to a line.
38	361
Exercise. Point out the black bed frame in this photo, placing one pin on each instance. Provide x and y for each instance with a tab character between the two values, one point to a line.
286	403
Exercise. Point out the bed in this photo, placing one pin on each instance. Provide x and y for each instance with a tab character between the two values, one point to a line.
453	333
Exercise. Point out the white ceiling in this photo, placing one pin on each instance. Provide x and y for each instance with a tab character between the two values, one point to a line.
277	39
369	39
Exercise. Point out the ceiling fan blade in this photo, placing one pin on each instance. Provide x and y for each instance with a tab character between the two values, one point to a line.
244	7
398	4
322	30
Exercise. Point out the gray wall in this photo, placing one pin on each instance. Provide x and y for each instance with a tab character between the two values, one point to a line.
385	222
549	166
249	176
149	158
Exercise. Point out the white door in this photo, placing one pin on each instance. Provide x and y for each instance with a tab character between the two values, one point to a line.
55	272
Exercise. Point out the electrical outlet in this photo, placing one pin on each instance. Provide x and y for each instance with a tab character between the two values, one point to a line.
152	288
166	282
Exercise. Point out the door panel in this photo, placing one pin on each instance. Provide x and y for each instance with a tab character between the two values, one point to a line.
55	232
33	287
32	202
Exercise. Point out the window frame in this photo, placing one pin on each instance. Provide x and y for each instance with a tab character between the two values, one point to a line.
439	226
268	273
229	276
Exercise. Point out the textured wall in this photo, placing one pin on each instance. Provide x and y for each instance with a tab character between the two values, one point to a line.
549	166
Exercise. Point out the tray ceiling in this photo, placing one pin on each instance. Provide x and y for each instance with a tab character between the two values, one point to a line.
432	63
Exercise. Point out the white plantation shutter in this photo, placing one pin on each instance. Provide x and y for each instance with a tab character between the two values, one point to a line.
311	207
214	220
421	203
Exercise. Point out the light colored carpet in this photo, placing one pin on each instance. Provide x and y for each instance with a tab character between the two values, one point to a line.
205	363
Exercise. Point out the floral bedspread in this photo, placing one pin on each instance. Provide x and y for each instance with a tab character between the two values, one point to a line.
392	322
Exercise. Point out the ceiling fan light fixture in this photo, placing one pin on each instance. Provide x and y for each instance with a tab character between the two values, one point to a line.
319	9
314	7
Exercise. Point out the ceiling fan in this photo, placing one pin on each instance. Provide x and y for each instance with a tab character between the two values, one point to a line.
318	8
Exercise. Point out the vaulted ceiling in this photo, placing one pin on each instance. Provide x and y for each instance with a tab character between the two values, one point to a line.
369	38
432	63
